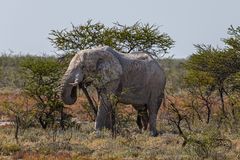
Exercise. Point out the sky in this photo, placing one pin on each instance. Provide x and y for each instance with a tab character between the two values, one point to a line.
25	24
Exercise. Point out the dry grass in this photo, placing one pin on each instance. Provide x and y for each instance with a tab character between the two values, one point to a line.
82	143
79	144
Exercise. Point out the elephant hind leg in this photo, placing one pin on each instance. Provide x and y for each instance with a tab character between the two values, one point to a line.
153	108
142	117
139	121
145	119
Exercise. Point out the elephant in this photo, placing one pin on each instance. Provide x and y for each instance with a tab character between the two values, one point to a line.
136	79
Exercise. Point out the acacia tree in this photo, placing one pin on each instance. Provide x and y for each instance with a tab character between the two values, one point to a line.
233	47
200	86
220	65
41	76
233	41
137	37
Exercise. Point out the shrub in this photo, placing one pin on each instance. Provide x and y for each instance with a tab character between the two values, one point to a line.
41	75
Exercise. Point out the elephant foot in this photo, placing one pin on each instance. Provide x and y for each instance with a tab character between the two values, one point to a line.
98	133
161	132
154	133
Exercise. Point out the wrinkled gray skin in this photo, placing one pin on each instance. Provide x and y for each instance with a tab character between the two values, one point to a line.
134	79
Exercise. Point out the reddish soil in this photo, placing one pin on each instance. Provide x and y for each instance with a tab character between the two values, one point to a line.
78	109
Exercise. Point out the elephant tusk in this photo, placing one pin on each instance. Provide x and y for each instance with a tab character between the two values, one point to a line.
74	84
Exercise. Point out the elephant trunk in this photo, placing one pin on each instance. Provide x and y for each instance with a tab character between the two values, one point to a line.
69	94
69	87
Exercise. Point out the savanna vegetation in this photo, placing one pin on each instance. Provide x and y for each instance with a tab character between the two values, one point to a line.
199	119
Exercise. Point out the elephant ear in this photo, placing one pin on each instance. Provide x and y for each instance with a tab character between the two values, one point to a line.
108	68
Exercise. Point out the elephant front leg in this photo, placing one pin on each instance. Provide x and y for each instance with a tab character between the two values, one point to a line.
105	116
